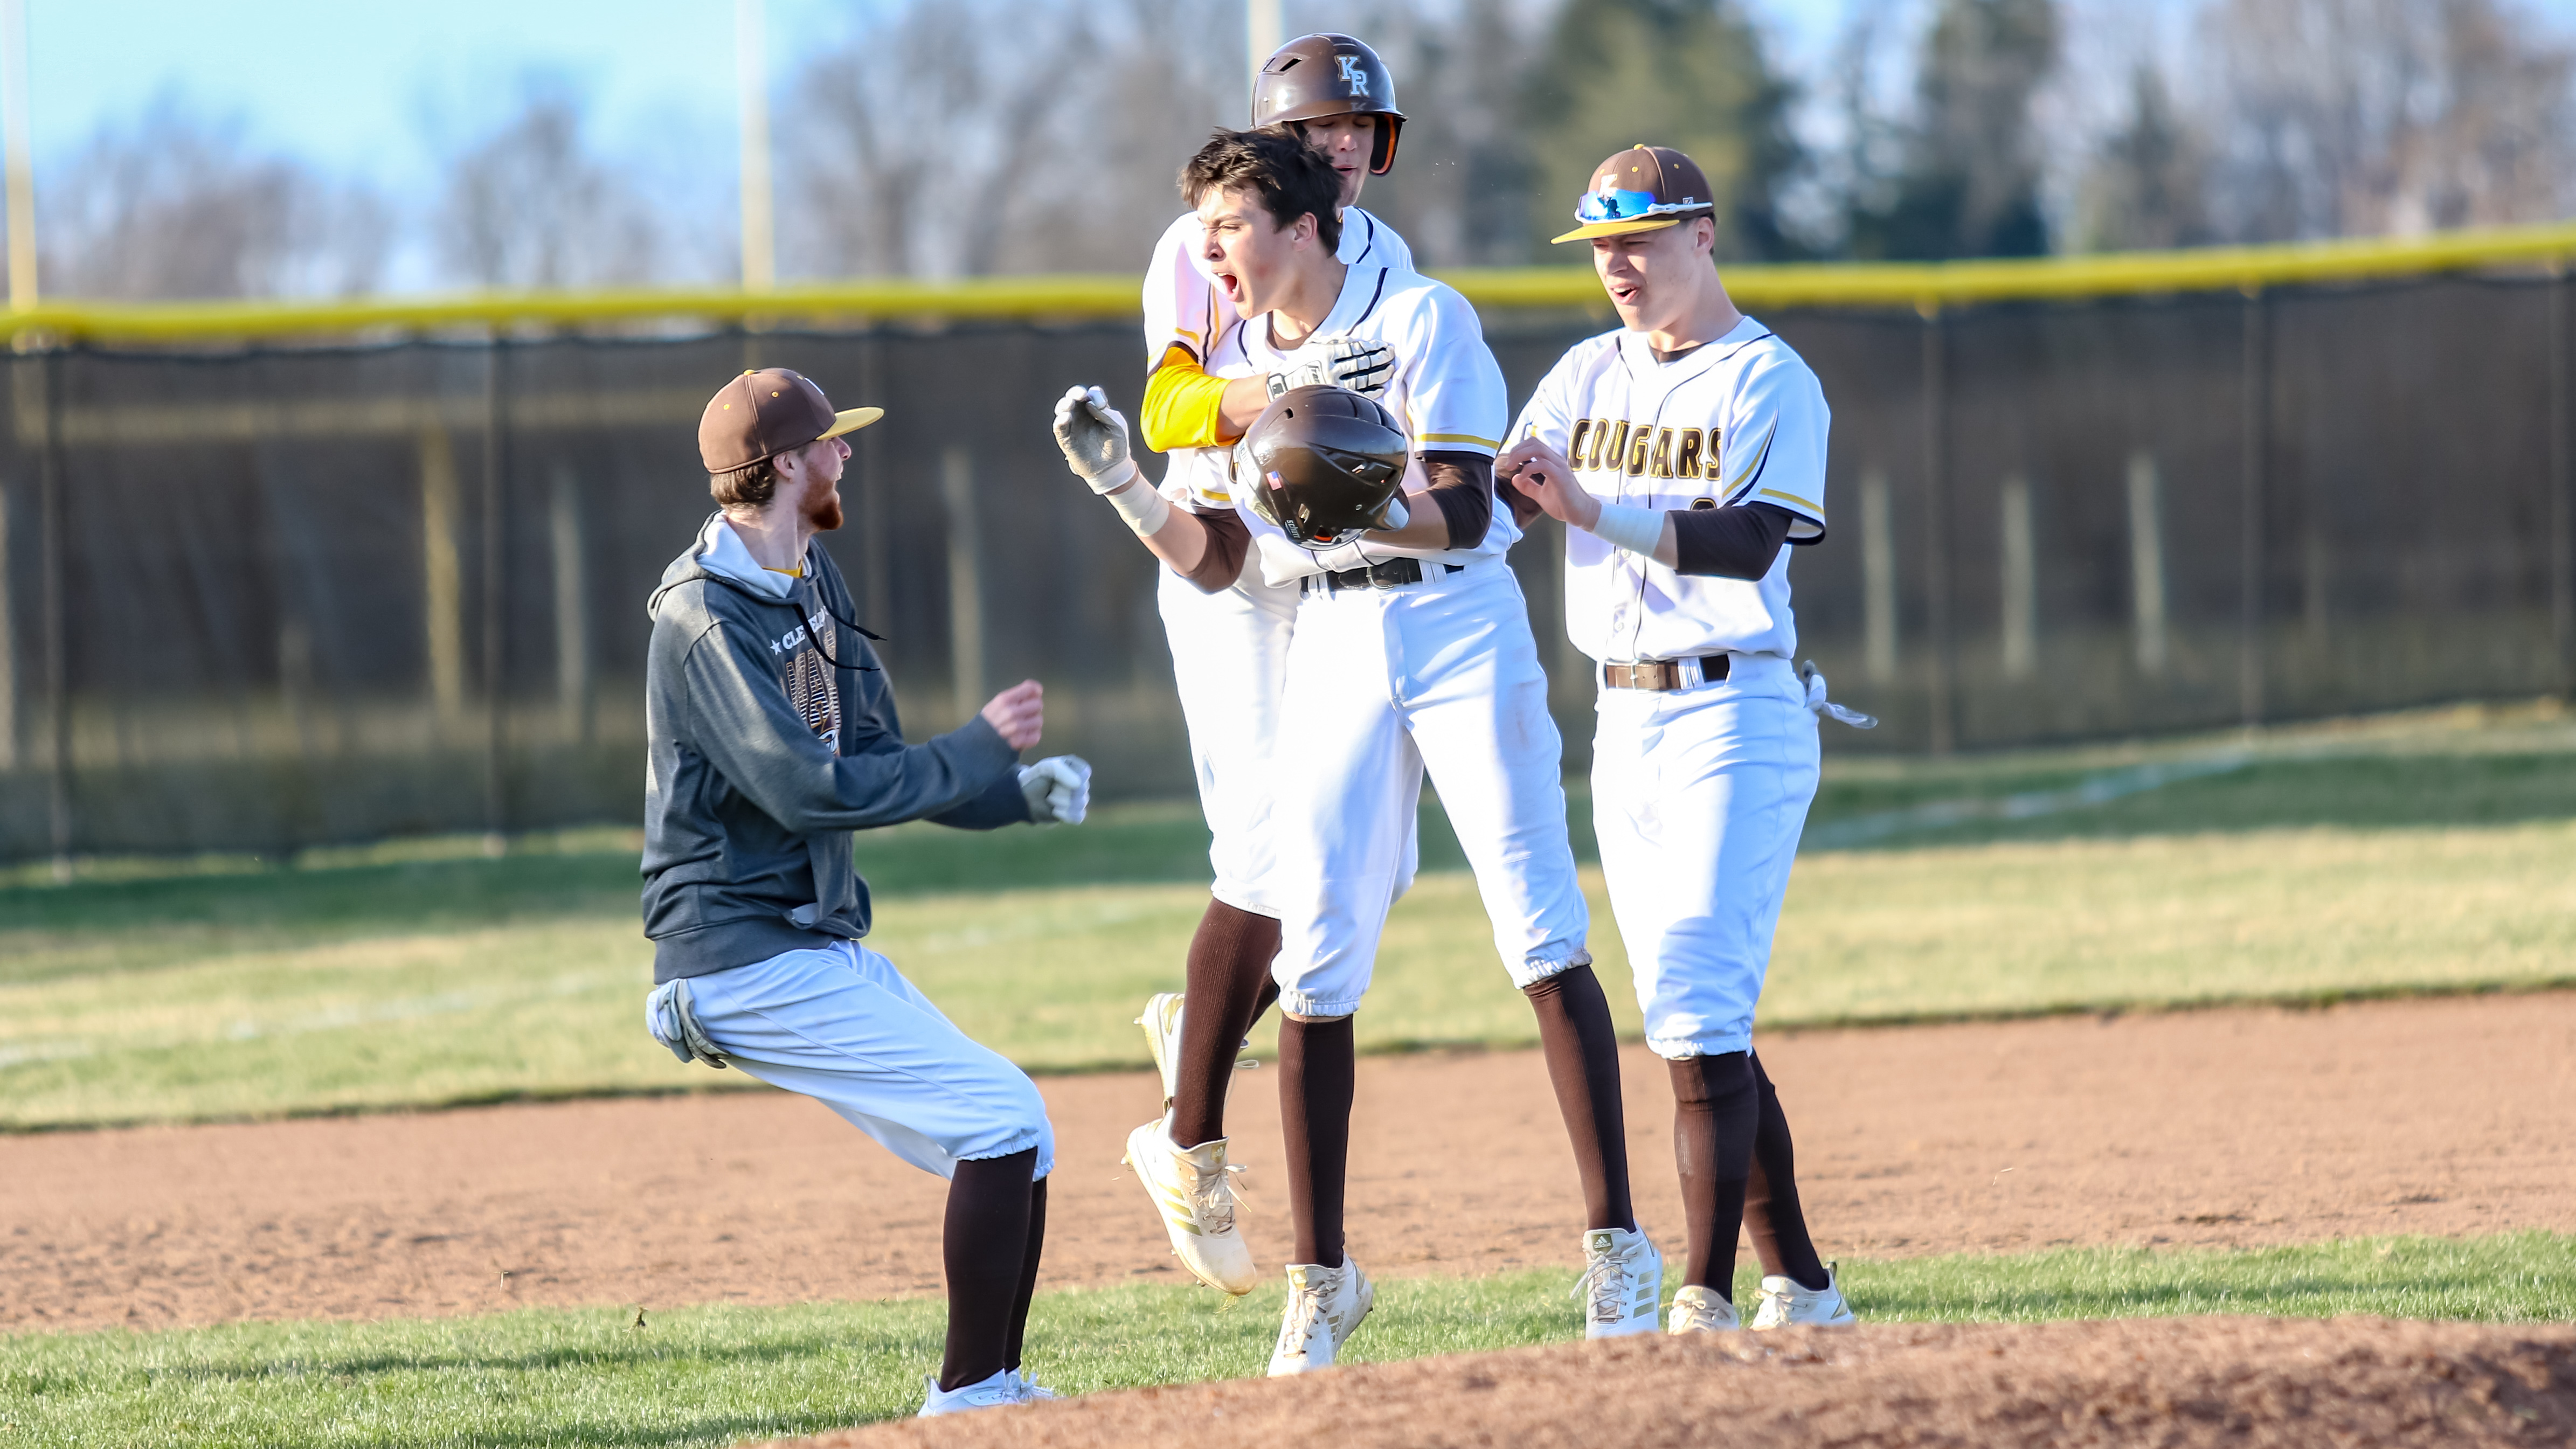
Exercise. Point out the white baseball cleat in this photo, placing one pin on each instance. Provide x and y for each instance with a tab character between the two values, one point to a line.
992	1393
1193	1189
1786	1305
1325	1305
1700	1310
1162	1023
1622	1283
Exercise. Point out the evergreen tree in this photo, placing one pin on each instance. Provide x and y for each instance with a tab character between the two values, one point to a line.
1690	74
1969	182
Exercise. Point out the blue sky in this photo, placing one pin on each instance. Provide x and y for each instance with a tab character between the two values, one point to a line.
379	90
374	97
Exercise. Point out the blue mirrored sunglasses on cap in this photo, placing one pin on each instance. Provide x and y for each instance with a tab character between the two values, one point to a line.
1629	205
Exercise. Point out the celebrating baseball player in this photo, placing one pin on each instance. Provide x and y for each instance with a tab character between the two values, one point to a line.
1684	449
1412	647
773	736
1230	646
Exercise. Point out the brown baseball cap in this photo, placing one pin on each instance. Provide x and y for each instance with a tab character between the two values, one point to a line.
1644	188
767	412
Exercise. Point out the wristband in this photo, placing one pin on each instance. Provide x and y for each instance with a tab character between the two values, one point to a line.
1145	510
1637	530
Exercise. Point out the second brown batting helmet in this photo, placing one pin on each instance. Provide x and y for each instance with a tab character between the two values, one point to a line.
1322	75
1322	463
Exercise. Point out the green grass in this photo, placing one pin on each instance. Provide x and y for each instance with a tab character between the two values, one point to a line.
2431	857
717	1375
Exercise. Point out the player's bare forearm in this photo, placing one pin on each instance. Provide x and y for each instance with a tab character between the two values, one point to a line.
1540	472
1245	398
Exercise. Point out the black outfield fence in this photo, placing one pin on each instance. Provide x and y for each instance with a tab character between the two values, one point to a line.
266	598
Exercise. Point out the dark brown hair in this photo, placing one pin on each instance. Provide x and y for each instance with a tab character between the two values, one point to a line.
1275	163
749	486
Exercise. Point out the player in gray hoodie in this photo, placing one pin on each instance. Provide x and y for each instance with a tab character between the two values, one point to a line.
773	736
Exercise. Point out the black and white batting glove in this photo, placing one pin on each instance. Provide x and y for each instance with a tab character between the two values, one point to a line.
1058	789
1094	438
1356	363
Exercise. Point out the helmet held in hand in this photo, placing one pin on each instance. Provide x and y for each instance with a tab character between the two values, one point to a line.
1323	463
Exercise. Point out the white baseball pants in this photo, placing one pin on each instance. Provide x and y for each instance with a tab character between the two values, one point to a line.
841	1025
1383	683
1699	796
1230	662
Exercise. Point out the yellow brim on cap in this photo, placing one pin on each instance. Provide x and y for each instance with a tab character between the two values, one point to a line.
850	420
1589	230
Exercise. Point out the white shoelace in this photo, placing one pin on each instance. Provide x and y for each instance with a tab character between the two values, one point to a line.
1305	1309
1215	1197
1606	1280
1775	1305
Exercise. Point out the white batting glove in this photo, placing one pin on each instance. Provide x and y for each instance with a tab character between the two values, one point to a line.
1340	361
1094	438
1058	789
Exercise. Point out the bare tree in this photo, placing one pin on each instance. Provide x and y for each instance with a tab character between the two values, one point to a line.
174	203
920	147
2354	117
530	205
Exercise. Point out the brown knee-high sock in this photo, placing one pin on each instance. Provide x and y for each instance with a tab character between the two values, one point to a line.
986	1249
1582	1051
1318	1073
1716	1109
1028	1273
1229	988
1771	1213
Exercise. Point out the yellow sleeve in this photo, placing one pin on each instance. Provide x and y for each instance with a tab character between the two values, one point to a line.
1182	405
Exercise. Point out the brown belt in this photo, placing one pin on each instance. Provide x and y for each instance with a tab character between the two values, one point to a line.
1661	674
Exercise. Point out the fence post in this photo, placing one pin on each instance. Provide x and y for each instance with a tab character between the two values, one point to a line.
2147	561
1877	578
54	573
876	553
2020	582
1936	534
965	581
9	746
2258	442
572	608
496	599
442	585
2562	492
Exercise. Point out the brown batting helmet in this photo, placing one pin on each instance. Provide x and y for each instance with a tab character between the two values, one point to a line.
1315	76
1322	463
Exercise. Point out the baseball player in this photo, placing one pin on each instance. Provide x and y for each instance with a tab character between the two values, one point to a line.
772	736
1411	649
1230	647
1684	449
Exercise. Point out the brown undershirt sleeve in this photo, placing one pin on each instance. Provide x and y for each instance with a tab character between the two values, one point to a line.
1462	484
1729	543
1228	542
1524	507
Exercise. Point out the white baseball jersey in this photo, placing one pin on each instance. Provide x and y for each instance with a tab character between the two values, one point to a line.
1738	420
1184	305
1230	648
1446	389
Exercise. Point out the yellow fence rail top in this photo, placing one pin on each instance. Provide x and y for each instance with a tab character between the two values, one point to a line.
1923	287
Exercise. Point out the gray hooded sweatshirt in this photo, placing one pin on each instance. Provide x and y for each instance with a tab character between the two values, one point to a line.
773	736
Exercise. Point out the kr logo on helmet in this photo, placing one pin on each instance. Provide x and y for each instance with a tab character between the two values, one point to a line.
1352	73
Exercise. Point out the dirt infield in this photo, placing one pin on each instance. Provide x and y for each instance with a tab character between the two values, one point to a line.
2164	1382
2223	1127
